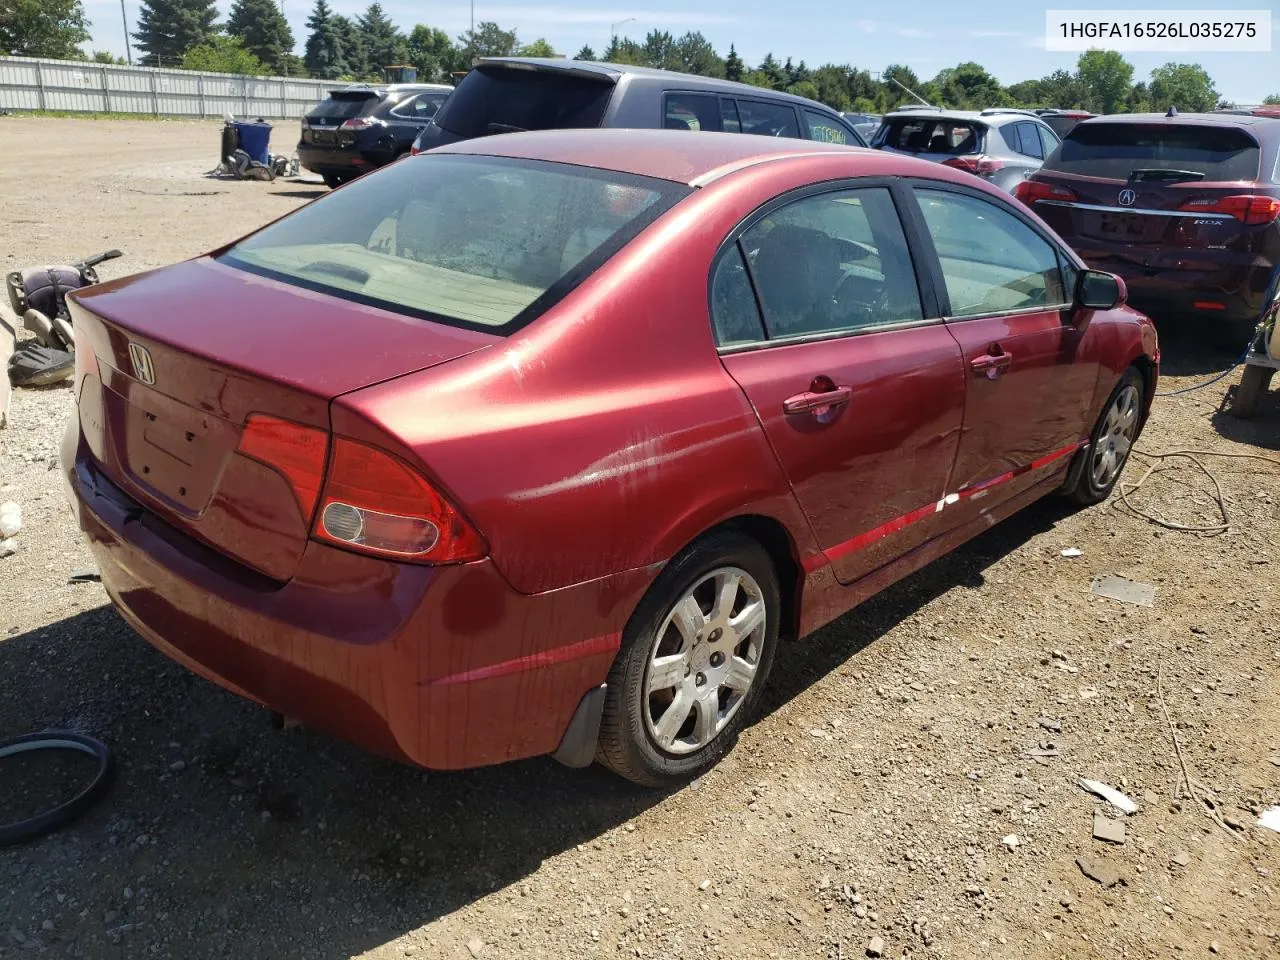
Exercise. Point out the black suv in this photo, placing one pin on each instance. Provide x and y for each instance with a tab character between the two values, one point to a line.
509	94
360	128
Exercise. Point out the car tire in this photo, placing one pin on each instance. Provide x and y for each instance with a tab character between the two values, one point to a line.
1253	384
641	738
1099	465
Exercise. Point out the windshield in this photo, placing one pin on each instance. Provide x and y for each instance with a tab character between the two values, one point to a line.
481	242
1116	150
504	100
931	135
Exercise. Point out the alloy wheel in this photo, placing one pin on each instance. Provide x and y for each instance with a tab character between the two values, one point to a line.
1115	440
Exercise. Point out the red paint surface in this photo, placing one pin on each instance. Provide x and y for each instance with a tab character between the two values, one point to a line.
587	450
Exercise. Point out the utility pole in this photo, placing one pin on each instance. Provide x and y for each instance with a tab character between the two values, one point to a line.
613	29
124	19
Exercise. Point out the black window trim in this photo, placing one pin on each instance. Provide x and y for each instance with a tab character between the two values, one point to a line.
930	254
926	283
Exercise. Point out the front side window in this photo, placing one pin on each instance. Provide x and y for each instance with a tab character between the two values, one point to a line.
767	119
991	261
833	262
691	111
825	130
483	242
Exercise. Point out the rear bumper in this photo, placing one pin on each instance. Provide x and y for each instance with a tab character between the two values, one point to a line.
350	161
444	667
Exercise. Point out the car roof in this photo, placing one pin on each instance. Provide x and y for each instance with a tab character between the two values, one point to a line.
616	71
993	117
675	155
1205	119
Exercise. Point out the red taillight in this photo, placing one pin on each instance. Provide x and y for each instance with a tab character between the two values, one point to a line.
977	164
1209	305
376	504
295	451
1248	208
414	151
361	123
1032	191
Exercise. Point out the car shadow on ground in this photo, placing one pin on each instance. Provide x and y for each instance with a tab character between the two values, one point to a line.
1190	347
301	194
248	835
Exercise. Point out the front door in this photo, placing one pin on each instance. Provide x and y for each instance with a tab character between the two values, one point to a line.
860	395
1010	310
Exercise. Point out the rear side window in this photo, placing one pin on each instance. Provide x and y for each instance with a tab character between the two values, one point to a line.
1117	150
344	106
932	135
734	314
825	130
421	107
1029	140
729	116
1048	140
832	263
691	111
485	243
767	119
991	261
503	100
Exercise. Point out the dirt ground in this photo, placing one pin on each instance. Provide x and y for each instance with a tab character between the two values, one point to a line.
872	798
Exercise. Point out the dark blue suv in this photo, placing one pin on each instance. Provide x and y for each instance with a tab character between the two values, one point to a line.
360	128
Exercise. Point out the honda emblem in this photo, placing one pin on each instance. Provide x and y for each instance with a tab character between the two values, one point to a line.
1127	197
140	356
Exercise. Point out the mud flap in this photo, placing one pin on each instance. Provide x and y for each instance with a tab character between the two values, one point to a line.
578	745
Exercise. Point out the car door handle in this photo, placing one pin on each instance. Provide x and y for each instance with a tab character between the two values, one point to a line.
814	400
990	365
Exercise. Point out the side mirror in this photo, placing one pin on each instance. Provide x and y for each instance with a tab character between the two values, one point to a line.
1096	290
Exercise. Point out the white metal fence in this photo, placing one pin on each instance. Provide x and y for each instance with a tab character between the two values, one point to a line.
83	87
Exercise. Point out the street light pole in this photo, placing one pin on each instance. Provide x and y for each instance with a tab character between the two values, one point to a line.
124	19
613	29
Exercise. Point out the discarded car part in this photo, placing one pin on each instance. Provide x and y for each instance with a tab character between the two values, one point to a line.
1270	819
44	288
1123	590
35	365
10	519
1111	795
65	338
1261	361
64	813
41	327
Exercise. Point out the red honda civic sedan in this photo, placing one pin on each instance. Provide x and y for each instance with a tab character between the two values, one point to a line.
541	443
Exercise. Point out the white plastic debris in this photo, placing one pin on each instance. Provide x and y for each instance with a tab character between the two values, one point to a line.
1111	795
1270	819
1011	841
1073	552
10	519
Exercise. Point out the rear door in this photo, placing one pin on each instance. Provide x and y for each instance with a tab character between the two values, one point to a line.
1028	388
860	389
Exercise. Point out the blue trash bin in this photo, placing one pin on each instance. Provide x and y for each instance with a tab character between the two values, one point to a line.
255	138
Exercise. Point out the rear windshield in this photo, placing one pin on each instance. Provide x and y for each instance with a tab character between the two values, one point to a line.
1116	150
480	242
931	135
344	106
504	100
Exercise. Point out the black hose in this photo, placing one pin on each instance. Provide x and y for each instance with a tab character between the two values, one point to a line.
42	823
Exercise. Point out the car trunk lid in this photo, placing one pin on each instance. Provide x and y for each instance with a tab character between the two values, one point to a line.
172	363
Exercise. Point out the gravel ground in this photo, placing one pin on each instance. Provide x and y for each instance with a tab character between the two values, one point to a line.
910	787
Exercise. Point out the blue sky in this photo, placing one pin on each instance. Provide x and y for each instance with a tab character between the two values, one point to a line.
1005	36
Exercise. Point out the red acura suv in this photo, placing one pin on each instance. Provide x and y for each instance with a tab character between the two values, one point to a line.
539	444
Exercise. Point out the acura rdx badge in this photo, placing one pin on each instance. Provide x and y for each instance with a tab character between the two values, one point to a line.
140	356
1127	197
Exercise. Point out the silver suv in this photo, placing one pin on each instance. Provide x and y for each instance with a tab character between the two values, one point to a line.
1003	146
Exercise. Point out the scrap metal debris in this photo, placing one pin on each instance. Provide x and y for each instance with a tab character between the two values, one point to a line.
1110	794
1123	590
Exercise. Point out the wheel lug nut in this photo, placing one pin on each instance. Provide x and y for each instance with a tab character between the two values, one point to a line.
717	658
700	680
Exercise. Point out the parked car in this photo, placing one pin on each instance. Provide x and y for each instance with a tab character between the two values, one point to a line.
539	444
1063	122
360	128
1185	207
998	145
510	94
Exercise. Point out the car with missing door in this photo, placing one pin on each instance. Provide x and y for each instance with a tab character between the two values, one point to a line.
360	128
1185	207
542	443
512	94
1002	146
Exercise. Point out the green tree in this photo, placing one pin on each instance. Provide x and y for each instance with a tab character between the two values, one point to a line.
1272	101
734	68
384	45
325	56
892	95
1027	93
660	50
773	71
539	48
1063	90
1105	79
695	54
43	28
805	88
488	40
832	83
1183	85
167	29
969	86
758	78
223	54
351	43
433	53
263	30
586	53
105	56
1139	100
623	50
